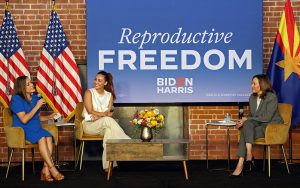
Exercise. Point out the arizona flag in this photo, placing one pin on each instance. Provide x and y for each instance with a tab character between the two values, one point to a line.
284	66
58	76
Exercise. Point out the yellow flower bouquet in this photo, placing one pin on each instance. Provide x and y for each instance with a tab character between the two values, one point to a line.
149	118
146	121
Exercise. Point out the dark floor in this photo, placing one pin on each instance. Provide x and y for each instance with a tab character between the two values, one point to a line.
157	174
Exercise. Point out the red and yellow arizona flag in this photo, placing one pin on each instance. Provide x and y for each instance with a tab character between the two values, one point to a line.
284	66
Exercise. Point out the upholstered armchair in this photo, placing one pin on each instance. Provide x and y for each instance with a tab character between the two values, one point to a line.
277	134
15	138
80	135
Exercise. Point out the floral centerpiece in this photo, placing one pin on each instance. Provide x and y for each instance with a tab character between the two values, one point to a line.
148	118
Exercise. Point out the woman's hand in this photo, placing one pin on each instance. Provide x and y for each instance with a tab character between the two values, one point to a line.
51	116
241	122
47	117
94	117
109	114
40	103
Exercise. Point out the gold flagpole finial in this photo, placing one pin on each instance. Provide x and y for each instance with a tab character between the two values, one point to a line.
7	7
54	5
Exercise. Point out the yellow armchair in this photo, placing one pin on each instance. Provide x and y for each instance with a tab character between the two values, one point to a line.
80	135
277	134
15	138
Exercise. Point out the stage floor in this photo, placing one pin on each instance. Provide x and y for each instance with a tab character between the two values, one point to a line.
157	175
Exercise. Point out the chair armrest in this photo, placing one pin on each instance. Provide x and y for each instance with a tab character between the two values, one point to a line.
276	133
53	130
15	137
78	129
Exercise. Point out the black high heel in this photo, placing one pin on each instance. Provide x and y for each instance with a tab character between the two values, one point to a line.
249	165
236	176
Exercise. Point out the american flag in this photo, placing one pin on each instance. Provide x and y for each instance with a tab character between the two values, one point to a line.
58	76
12	60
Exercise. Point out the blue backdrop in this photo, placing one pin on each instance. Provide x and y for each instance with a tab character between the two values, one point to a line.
167	51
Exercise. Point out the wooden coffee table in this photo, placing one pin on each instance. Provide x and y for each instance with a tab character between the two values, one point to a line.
136	150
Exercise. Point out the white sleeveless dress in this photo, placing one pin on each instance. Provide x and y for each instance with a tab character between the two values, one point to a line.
105	126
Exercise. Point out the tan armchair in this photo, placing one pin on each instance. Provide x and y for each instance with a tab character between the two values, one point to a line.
277	134
15	138
80	135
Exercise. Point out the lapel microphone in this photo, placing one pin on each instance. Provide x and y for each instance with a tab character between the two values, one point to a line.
39	96
241	113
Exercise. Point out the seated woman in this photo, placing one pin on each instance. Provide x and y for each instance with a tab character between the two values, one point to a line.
98	103
262	110
25	107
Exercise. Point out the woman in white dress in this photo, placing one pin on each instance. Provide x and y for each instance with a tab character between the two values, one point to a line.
98	103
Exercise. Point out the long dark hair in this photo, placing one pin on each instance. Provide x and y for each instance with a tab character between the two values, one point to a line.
265	84
110	85
20	87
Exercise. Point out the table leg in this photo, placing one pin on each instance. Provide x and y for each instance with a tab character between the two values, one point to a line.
185	170
228	147
111	167
206	136
109	173
56	151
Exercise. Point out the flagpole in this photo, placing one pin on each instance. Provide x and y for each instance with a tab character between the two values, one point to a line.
7	92
54	91
7	8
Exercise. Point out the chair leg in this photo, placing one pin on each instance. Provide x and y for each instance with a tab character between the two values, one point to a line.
264	159
82	149
286	163
290	147
9	161
23	164
9	151
32	158
269	160
56	155
78	155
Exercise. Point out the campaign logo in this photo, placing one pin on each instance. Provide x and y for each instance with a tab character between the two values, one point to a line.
174	85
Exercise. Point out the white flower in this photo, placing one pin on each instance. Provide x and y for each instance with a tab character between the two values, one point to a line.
156	111
134	121
140	121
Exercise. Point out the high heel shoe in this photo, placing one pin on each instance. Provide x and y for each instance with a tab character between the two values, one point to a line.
249	165
47	177
236	176
58	176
